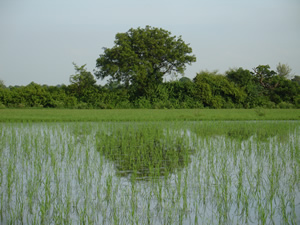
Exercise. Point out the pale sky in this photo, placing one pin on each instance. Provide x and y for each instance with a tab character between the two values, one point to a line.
39	39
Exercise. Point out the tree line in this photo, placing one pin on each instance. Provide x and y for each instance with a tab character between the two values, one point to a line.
237	88
136	66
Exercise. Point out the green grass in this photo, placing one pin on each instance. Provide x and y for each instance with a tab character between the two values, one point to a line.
68	115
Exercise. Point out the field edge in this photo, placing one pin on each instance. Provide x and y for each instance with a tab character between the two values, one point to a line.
90	115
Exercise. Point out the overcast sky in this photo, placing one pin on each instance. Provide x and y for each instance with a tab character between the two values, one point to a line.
39	39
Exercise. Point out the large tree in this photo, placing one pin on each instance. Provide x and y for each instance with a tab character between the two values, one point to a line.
142	56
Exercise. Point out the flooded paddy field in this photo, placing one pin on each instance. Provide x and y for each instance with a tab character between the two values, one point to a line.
210	172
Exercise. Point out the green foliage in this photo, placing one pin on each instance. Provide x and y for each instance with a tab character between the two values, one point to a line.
296	79
264	87
286	105
283	70
2	106
265	77
34	95
297	101
142	56
82	83
240	76
185	80
247	82
5	96
215	90
142	102
181	94
286	90
2	86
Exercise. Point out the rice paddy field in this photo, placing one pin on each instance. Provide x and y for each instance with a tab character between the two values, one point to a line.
92	115
150	172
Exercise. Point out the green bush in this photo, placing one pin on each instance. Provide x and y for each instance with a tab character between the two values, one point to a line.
228	105
286	105
269	105
2	106
125	104
142	103
57	104
100	105
20	105
82	105
297	102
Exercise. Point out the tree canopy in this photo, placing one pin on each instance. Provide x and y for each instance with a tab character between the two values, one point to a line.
283	70
82	78
142	56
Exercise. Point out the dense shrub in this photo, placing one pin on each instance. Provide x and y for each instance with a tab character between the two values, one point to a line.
286	105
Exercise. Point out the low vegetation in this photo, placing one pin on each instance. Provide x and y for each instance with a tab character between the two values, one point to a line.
205	172
61	115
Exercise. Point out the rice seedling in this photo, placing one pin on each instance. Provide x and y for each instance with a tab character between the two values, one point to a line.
150	173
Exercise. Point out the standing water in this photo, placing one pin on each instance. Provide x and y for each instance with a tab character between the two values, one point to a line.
150	173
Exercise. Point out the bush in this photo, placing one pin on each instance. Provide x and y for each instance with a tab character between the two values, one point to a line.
162	105
286	105
20	105
228	105
38	106
2	106
82	105
100	105
217	102
269	105
71	102
57	104
125	104
297	102
142	103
